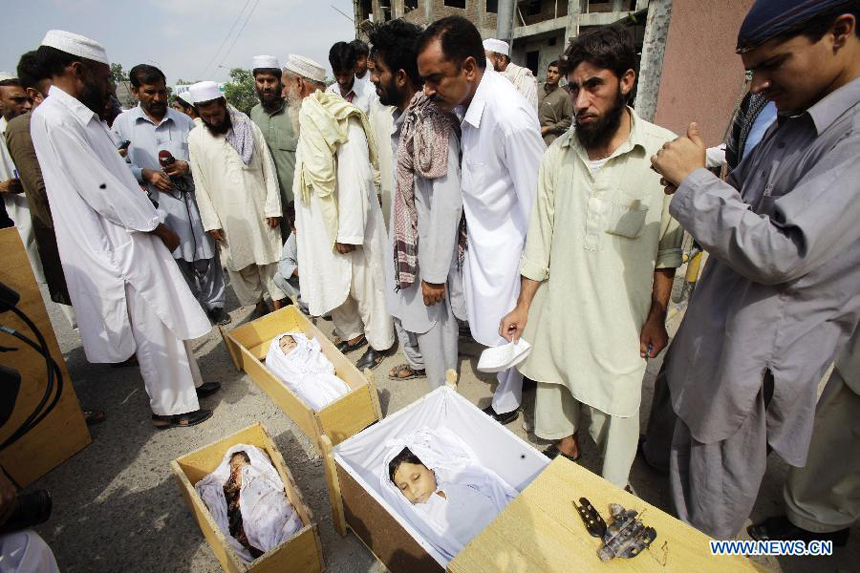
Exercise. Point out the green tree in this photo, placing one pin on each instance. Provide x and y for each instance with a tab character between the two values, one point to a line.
241	91
117	74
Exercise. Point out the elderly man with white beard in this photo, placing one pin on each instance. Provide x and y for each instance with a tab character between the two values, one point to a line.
340	230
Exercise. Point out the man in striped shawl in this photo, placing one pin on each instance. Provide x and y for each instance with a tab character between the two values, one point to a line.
422	279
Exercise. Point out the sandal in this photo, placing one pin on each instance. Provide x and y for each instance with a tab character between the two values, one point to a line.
394	373
181	420
553	452
344	346
93	417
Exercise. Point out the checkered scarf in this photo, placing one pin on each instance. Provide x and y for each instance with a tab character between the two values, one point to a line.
241	135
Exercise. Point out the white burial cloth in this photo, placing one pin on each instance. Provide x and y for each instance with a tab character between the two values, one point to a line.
268	517
306	371
474	494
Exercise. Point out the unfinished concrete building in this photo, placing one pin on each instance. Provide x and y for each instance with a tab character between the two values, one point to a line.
538	29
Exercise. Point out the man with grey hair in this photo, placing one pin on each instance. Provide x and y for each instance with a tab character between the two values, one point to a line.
341	235
498	53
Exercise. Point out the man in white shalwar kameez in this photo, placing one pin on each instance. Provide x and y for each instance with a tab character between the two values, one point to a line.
501	148
128	294
238	195
499	55
341	234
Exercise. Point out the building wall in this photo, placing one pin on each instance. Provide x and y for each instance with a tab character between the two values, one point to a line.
702	77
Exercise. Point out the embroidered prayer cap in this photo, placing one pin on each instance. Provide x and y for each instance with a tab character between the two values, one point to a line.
770	18
265	62
204	91
498	46
305	67
6	76
76	45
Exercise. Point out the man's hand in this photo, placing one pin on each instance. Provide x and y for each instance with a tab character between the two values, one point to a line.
344	248
167	236
514	323
177	169
679	158
7	497
273	222
159	179
433	293
11	186
653	336
544	130
217	234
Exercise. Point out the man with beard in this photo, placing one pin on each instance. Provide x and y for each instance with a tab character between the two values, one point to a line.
555	109
340	233
498	54
129	295
14	102
778	297
238	195
599	261
421	262
359	93
501	148
273	119
153	129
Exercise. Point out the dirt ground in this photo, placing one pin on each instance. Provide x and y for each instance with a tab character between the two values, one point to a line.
117	507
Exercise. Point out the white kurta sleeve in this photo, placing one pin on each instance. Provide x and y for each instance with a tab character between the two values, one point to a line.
273	206
201	189
354	186
110	197
436	250
524	148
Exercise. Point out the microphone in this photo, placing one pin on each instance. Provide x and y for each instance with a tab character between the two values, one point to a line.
165	158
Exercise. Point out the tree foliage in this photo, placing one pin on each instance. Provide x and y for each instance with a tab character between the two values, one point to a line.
241	91
117	74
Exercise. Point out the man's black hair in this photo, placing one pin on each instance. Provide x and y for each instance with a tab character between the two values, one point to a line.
815	28
290	213
342	58
459	39
14	82
405	455
274	71
53	62
609	47
29	71
144	74
552	64
361	48
395	42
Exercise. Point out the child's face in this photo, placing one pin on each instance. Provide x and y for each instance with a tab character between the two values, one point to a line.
415	481
237	460
287	343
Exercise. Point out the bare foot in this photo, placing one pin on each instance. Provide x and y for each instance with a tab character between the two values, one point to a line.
569	446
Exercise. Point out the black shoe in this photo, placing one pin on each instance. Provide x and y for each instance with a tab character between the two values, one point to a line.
181	420
552	452
503	419
370	359
345	346
219	317
779	528
207	389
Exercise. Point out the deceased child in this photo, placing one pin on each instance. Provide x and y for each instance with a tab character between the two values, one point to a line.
298	362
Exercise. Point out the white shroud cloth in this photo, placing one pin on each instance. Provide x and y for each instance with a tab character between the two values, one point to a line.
268	517
474	493
306	371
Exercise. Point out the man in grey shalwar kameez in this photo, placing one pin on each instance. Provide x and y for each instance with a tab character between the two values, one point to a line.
421	264
780	294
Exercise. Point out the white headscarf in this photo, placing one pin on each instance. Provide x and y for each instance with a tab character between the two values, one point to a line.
268	517
306	371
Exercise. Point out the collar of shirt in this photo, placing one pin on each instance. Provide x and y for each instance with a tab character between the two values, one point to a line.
476	107
139	115
79	110
825	111
634	139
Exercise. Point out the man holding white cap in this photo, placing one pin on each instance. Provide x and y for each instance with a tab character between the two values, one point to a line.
499	54
272	117
128	293
341	235
238	195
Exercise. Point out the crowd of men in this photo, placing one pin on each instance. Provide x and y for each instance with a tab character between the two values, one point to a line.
416	194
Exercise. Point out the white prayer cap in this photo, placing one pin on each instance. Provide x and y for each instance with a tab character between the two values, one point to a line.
6	76
260	62
76	45
305	67
498	46
204	91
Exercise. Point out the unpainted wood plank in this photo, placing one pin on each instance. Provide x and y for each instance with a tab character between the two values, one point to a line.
348	415
333	486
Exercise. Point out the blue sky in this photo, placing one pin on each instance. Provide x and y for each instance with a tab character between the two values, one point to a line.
180	36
